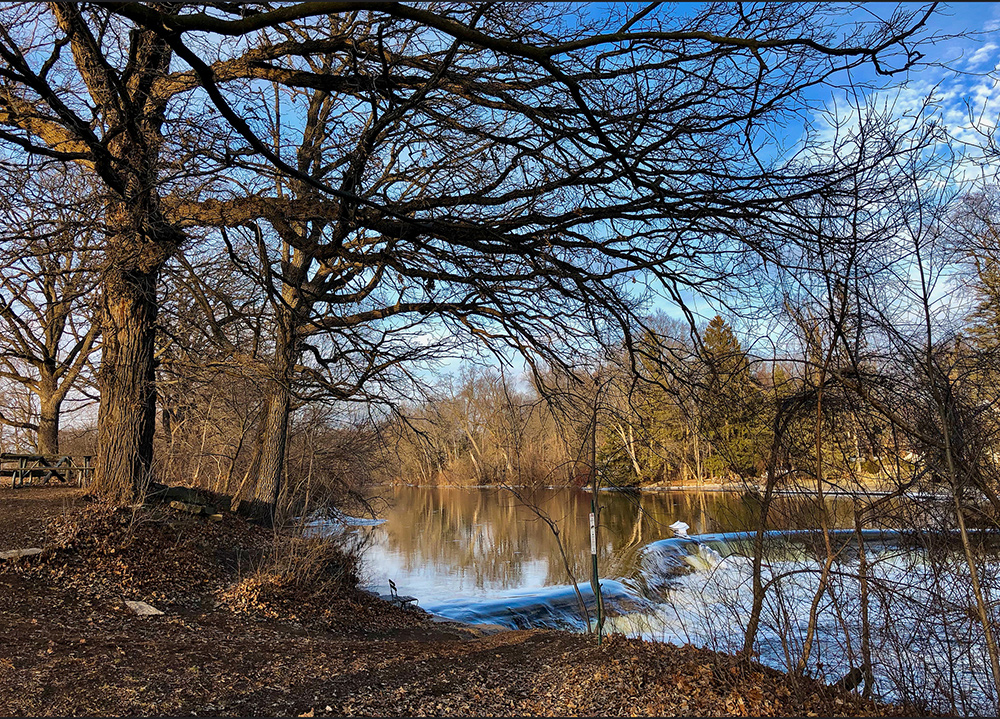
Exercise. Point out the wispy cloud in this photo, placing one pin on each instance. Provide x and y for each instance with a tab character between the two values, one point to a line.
987	53
964	105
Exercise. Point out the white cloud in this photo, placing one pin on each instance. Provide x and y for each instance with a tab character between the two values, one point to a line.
993	23
986	53
964	105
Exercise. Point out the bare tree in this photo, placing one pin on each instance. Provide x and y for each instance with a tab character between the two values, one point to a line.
47	280
209	393
561	159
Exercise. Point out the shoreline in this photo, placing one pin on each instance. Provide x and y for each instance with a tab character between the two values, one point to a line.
707	488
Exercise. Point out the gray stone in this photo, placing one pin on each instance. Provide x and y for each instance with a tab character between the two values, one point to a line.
185	507
18	553
163	493
142	609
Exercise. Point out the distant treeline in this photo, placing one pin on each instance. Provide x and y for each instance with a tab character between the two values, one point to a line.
696	409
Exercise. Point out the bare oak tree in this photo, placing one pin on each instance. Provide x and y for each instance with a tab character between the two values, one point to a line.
47	291
510	169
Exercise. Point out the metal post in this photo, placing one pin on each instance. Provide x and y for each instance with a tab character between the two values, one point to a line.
595	582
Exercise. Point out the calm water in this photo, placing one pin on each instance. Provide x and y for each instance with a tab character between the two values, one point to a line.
441	544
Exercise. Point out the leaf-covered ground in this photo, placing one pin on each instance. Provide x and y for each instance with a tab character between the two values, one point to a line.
256	624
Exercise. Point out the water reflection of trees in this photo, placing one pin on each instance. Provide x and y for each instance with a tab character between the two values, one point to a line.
493	540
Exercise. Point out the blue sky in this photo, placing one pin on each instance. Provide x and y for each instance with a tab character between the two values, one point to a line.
961	75
959	72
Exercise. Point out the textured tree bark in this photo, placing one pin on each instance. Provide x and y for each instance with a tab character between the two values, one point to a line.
260	500
127	159
261	503
127	415
47	439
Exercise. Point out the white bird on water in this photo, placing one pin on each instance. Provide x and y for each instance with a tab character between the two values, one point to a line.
680	529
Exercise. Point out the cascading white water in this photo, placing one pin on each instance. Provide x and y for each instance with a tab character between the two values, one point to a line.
481	556
697	590
924	638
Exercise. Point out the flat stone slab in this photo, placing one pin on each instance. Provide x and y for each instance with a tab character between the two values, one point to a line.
18	553
192	508
142	609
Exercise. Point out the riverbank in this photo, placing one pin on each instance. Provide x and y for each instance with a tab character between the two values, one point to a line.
874	491
259	623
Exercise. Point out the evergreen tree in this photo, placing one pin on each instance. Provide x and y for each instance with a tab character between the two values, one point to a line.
731	403
985	318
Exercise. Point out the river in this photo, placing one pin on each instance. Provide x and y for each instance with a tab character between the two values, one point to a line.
488	556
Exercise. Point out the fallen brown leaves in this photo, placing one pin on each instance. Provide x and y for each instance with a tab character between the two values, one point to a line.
150	553
629	677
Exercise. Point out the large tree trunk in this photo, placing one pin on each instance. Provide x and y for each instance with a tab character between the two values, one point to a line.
139	242
47	440
127	415
259	500
262	497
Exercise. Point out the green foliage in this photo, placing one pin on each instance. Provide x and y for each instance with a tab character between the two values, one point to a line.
616	467
732	404
985	318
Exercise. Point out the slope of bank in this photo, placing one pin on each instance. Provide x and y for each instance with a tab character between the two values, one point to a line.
258	623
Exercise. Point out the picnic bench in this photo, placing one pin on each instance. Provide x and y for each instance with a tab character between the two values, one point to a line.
43	468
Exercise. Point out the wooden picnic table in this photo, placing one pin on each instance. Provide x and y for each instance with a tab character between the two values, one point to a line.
42	468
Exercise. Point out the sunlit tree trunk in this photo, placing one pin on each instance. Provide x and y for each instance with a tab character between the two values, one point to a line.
139	242
127	415
261	498
47	441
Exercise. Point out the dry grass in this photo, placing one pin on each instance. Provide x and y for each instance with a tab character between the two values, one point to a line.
295	577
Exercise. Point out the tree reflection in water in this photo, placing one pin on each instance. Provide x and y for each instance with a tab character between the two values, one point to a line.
444	542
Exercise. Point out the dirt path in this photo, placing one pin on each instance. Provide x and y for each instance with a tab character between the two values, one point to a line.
25	512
